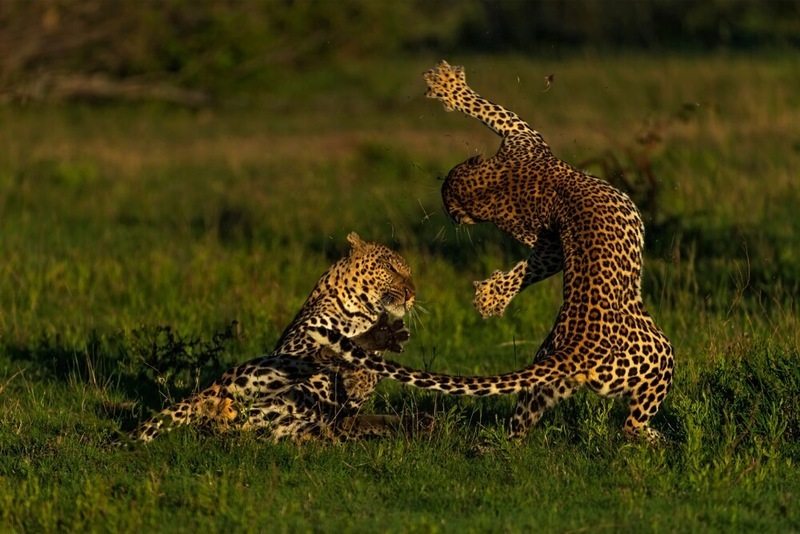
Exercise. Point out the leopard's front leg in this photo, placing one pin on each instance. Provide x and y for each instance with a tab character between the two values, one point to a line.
449	85
493	295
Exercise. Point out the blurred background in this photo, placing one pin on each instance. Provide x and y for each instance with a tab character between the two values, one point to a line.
189	51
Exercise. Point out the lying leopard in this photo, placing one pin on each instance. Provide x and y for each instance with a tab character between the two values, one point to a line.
302	390
603	337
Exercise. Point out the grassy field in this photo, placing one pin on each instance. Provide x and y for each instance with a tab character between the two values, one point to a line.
143	249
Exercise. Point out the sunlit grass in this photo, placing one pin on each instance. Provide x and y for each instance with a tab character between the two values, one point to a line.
115	221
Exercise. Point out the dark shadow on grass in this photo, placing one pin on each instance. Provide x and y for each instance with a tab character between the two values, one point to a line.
143	366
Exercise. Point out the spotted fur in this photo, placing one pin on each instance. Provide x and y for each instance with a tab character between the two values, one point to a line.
303	390
603	337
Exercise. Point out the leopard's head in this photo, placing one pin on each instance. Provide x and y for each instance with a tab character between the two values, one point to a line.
463	196
380	277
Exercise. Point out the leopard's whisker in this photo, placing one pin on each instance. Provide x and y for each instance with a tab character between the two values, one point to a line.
440	235
416	313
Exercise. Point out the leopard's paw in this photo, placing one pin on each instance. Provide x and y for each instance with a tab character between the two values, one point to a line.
650	436
399	336
384	335
442	82
488	300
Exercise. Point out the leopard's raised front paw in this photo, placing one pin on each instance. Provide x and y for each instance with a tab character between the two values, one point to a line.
442	81
488	301
384	335
399	336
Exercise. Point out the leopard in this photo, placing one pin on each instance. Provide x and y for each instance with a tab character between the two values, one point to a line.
603	337
302	390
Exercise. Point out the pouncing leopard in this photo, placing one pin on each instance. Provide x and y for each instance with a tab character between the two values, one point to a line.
302	390
603	337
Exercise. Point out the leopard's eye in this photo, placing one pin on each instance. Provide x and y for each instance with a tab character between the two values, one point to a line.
391	268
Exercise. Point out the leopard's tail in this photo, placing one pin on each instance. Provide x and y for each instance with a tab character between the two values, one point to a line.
541	373
471	386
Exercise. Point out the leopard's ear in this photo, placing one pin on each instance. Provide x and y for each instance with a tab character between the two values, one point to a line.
356	242
477	159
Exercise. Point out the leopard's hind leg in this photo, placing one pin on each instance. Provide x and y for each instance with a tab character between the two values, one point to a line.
302	430
654	380
213	407
380	425
357	426
533	403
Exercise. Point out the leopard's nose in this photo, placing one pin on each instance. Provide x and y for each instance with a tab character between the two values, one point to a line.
409	295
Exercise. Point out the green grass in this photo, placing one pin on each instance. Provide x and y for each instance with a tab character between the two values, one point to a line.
132	238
